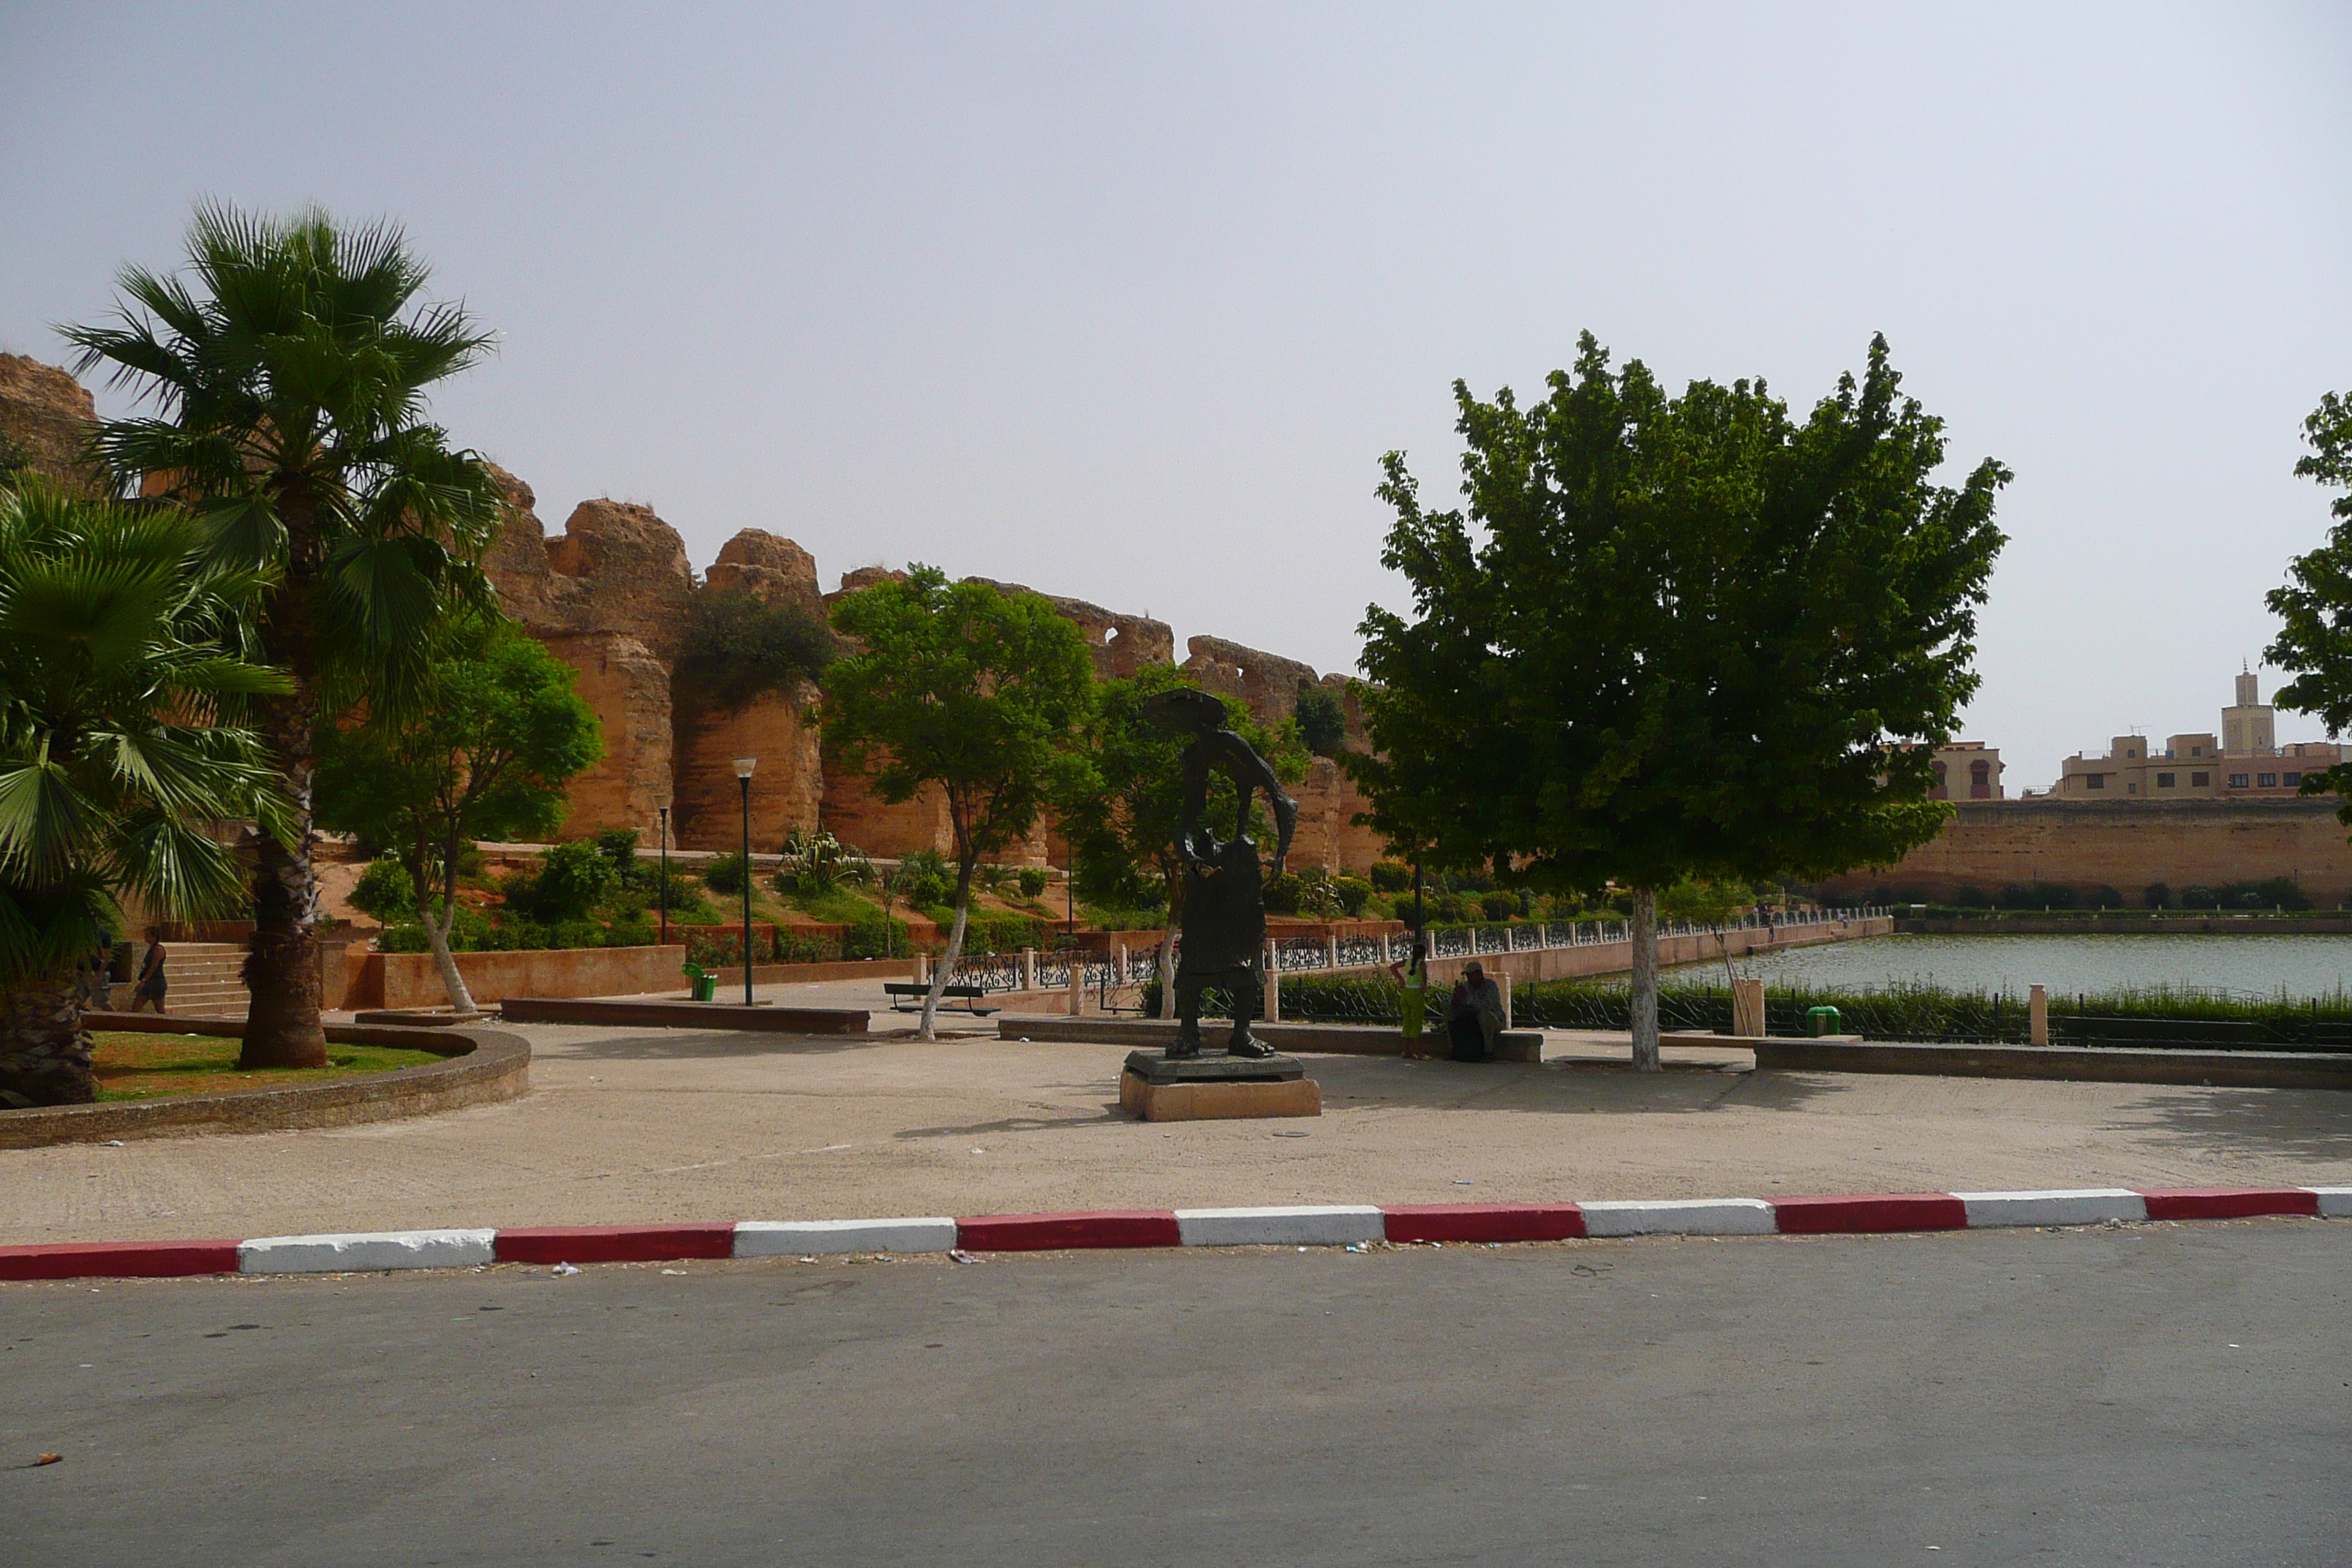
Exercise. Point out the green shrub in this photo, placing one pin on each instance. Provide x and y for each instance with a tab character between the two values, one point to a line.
1283	893
1391	876
1354	893
385	892
723	874
1032	882
569	881
874	936
1499	905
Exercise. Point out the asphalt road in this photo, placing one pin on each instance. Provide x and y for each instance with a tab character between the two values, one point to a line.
2146	1396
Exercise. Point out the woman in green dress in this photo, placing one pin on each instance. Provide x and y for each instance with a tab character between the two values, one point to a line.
1412	978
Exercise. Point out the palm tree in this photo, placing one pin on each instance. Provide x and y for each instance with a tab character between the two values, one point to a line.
286	370
117	748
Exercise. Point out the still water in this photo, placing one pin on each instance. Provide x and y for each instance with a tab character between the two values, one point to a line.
2243	966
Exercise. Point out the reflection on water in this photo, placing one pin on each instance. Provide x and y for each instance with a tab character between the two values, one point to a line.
2243	965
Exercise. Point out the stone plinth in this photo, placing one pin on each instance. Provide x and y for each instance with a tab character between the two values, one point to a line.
1218	1101
1216	1086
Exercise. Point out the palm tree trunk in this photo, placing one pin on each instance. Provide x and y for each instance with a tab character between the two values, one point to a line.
282	1028
1645	980
44	1054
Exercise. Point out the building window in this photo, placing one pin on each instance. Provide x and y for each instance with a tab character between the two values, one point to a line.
2200	781
2240	781
2291	779
2164	781
2094	781
1980	781
2131	789
2196	751
2268	780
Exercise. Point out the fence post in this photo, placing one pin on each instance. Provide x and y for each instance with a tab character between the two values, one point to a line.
2037	1016
1503	983
1078	982
922	969
1118	964
1386	957
1273	983
1331	950
1747	1007
1028	969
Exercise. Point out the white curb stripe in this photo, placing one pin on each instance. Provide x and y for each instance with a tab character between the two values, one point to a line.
1315	1225
776	1238
2079	1205
365	1250
2335	1202
1681	1217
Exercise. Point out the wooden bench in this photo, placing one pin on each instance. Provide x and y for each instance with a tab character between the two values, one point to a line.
908	996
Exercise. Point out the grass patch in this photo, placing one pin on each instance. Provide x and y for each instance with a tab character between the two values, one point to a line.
152	1066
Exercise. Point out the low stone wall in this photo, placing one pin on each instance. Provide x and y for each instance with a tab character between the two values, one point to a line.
2225	1070
413	979
2327	924
482	1065
1340	1039
1617	957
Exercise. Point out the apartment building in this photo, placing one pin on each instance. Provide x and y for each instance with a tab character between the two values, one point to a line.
1967	770
2244	760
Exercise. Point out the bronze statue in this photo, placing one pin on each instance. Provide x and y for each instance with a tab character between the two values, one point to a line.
1223	922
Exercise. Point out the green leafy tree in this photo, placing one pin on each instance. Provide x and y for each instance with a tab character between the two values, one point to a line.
740	645
2315	606
1322	722
119	744
286	372
1691	636
1122	822
485	754
964	689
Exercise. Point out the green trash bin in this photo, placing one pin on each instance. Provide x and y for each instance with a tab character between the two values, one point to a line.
705	983
1822	1021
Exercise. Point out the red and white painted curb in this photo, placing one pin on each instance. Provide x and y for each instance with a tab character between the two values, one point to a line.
1318	1224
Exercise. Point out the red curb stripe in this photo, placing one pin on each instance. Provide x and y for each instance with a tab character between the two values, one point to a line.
116	1259
1866	1212
1042	1232
1483	1222
2228	1203
615	1243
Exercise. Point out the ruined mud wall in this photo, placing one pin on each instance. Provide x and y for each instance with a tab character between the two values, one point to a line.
1994	843
46	415
610	594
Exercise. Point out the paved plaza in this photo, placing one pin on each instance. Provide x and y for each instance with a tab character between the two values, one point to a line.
630	1126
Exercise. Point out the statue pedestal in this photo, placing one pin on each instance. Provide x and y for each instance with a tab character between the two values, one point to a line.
1215	1086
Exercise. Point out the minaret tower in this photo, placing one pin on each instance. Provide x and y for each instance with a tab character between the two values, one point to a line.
2249	725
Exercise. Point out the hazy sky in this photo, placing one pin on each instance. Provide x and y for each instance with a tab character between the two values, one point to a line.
1126	303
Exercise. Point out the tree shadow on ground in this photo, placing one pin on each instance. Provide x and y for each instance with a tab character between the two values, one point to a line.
698	1045
2298	1123
1353	1083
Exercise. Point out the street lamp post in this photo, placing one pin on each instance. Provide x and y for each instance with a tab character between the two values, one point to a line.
743	766
665	875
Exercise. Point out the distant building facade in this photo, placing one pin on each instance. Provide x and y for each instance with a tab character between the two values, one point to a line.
1967	770
2245	761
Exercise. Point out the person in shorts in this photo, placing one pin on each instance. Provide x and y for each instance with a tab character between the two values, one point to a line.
151	984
